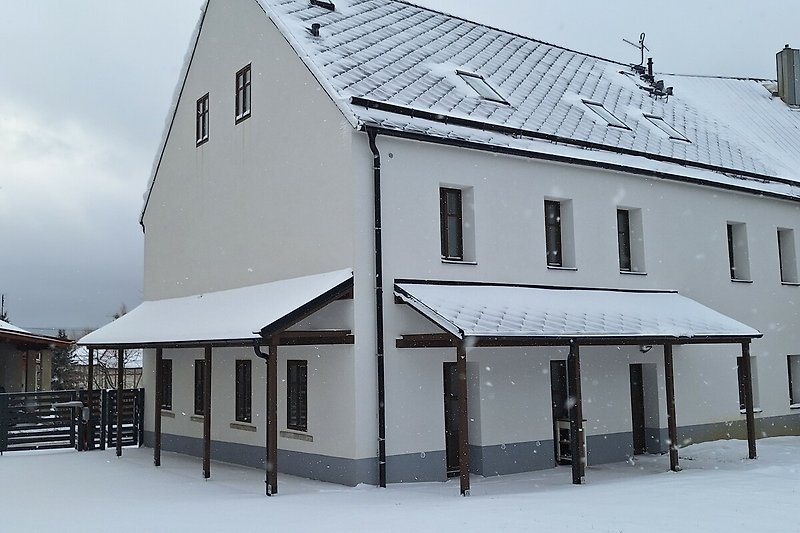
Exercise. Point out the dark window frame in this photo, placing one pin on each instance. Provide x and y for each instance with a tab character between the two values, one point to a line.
624	240
244	102
166	384
481	87
244	390
199	387
731	254
202	119
792	379
451	222
552	230
297	395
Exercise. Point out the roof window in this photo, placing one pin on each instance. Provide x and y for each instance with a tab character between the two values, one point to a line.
661	124
323	4
478	84
605	114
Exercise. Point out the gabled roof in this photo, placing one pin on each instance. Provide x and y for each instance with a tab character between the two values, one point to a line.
392	64
20	337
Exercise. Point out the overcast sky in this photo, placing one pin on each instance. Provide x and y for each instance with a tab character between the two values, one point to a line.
85	87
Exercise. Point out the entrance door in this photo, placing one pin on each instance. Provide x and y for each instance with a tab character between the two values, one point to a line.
637	409
451	418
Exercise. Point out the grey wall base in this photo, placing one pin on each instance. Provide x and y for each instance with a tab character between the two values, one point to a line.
484	460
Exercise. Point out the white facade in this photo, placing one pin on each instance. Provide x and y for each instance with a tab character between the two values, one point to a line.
289	192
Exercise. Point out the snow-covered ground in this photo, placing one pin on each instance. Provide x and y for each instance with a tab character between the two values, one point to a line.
717	491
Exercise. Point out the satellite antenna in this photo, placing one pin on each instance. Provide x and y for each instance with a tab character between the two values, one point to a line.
640	46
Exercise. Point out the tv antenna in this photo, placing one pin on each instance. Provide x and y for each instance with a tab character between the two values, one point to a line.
640	46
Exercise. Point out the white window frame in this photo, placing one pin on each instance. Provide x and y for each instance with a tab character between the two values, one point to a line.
667	128
605	114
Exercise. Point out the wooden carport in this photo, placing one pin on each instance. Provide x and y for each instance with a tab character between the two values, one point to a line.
480	315
284	304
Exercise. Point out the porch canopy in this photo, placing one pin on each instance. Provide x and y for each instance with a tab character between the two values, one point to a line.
254	316
25	340
497	315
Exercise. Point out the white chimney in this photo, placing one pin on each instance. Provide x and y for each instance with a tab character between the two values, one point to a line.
788	61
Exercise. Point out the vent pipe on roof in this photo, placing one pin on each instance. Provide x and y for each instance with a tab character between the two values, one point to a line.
788	62
314	29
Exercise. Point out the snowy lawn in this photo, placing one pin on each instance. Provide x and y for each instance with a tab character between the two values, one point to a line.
718	491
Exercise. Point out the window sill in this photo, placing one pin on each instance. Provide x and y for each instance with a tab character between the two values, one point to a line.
755	410
201	142
734	280
242	118
790	283
167	414
197	418
242	426
457	262
569	269
632	273
297	436
794	406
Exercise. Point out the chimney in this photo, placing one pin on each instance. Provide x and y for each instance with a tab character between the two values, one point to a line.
788	61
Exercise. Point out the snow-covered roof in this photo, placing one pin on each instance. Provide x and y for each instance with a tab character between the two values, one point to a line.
398	60
478	310
5	326
231	315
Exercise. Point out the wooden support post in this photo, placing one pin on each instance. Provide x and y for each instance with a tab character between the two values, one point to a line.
207	415
576	435
672	423
272	417
159	401
463	418
747	377
89	424
120	384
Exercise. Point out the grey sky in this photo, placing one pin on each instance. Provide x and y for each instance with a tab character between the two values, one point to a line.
85	86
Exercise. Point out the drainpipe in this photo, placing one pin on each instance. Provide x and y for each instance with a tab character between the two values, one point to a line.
376	172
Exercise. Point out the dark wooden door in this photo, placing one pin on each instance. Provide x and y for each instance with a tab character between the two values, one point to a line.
451	418
637	410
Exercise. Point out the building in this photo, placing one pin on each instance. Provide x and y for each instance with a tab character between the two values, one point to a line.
458	243
25	359
105	370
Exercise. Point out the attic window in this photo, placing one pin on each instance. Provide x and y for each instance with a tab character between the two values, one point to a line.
323	4
661	124
479	85
605	114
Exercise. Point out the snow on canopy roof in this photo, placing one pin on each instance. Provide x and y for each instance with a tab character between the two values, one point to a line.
5	326
394	52
476	310
231	315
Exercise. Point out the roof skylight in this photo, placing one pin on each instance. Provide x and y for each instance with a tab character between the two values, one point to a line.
605	114
661	124
478	84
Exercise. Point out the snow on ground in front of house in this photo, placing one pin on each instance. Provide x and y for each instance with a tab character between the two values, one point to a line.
717	491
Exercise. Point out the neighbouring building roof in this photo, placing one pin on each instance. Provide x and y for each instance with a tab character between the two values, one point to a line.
482	310
392	64
232	315
26	339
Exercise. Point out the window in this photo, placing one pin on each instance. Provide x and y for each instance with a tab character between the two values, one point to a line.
738	257
630	240
452	223
166	384
244	391
297	395
478	84
201	129
624	239
199	388
754	379
787	256
661	124
243	94
605	114
793	362
558	233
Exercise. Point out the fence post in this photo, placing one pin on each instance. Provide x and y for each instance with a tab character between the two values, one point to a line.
3	423
104	419
140	417
73	441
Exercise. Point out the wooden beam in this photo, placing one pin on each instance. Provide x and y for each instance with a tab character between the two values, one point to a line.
89	442
576	413
207	414
463	418
272	418
157	407
672	423
747	377
120	385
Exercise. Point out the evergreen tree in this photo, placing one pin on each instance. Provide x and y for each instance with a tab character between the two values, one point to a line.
65	373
